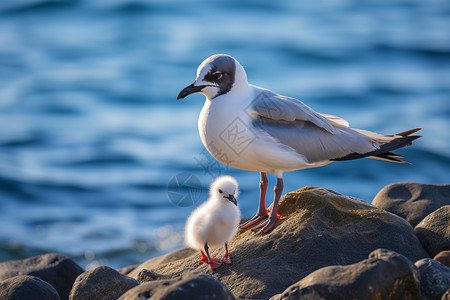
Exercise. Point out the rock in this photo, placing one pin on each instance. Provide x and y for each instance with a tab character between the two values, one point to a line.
196	286
446	295
147	275
443	257
434	278
412	201
384	275
319	228
27	287
127	270
434	231
101	283
56	269
173	256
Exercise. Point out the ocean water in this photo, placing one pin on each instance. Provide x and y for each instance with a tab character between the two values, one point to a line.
93	142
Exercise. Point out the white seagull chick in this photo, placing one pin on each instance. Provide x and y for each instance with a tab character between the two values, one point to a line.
252	128
214	223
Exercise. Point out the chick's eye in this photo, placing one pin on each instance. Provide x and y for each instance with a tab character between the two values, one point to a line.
220	191
217	75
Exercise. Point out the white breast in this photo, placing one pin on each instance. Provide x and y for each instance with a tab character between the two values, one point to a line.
225	128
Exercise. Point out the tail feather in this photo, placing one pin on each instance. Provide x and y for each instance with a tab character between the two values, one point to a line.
409	132
402	139
388	158
391	154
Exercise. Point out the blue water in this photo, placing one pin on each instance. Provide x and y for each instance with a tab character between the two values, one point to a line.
91	133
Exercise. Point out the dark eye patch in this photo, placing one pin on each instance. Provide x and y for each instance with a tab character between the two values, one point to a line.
214	76
220	191
222	73
217	75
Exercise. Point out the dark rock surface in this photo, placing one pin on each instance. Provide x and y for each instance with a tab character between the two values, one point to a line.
384	275
320	228
56	269
173	256
434	231
147	275
443	257
446	295
434	278
101	283
126	270
193	286
412	201
24	287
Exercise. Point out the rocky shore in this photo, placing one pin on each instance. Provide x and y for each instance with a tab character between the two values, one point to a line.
326	246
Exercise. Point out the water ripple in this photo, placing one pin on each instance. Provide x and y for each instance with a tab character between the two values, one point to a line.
91	133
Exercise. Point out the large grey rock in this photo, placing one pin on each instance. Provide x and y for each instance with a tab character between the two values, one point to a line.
384	275
24	287
193	286
412	201
56	269
101	283
434	278
319	228
434	231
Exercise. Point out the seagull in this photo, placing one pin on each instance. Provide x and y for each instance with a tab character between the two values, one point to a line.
255	129
215	222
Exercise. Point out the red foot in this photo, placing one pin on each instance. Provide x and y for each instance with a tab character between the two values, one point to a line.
267	225
226	259
214	265
254	220
205	258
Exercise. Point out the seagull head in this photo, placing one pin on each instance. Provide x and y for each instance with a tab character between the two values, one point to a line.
217	75
225	188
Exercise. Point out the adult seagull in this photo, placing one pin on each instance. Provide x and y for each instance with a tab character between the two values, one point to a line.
252	128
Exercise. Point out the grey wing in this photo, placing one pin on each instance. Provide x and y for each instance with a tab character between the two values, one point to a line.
336	121
276	107
313	142
318	137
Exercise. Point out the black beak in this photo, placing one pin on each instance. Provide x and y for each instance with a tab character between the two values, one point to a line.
232	199
190	90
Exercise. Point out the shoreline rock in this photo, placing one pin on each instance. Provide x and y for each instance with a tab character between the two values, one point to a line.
101	283
412	201
322	232
443	257
197	286
27	287
434	278
54	268
320	228
383	275
434	231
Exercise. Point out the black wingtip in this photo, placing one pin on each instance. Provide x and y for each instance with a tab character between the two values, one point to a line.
403	139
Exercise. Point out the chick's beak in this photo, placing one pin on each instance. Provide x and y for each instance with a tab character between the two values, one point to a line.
232	199
190	90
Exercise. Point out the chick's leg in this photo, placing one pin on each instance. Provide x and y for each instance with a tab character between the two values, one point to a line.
227	258
212	261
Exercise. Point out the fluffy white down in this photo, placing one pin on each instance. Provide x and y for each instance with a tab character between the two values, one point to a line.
216	221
